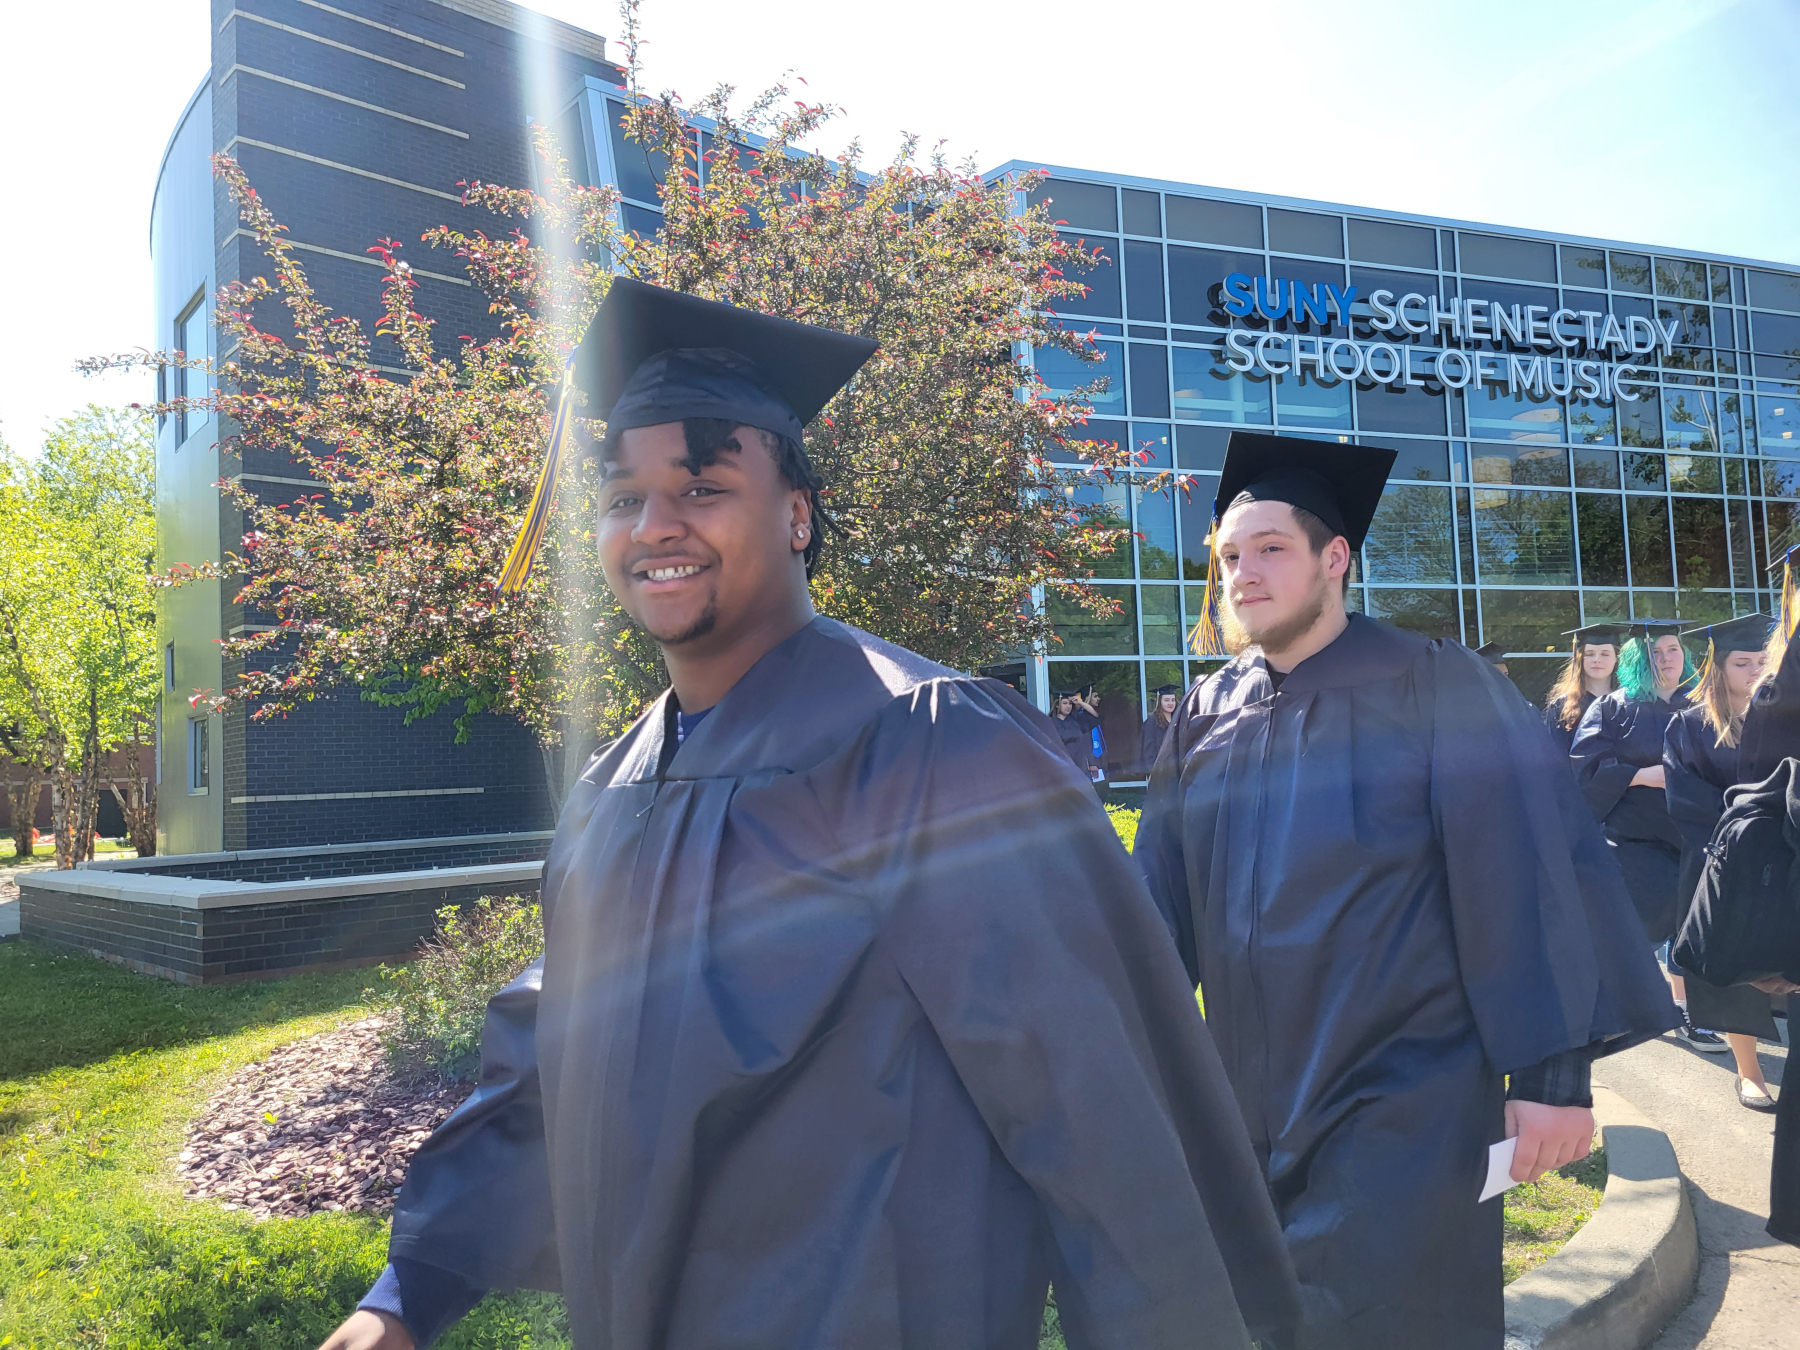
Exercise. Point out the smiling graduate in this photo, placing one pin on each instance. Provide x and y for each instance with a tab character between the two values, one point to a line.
1383	878
855	1026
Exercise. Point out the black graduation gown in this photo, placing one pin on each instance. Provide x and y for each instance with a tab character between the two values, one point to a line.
856	1028
1388	890
1564	736
1696	772
1075	734
1617	737
1150	740
1772	734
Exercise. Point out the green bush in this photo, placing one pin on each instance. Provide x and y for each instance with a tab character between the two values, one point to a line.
435	1004
1125	822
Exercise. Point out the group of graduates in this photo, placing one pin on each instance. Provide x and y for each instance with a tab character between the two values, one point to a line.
1076	714
856	1026
1655	745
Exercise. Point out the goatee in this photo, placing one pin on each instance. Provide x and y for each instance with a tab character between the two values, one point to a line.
1278	637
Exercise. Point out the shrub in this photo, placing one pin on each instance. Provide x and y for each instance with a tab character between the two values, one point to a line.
1125	823
435	1005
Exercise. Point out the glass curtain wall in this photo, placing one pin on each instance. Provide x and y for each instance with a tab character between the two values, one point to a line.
1508	518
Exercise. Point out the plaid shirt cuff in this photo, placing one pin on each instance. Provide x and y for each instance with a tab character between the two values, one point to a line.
1564	1079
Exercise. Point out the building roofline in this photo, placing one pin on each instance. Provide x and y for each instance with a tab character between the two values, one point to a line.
1373	212
163	166
520	19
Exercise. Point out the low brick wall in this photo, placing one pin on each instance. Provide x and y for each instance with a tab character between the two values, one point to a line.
195	926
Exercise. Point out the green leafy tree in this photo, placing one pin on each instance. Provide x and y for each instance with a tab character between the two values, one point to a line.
935	456
78	671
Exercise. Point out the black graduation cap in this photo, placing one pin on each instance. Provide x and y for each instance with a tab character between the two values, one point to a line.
1340	484
653	355
1162	689
1597	632
1746	634
1492	652
1651	629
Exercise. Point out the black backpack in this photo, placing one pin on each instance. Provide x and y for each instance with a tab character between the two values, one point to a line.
1744	922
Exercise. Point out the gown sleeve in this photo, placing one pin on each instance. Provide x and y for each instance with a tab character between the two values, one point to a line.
1695	804
1158	851
1602	773
1020	926
476	1202
1546	935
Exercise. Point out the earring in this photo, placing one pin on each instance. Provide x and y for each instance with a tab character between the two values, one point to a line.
799	531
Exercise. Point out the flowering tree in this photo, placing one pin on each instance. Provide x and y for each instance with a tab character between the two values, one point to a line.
385	577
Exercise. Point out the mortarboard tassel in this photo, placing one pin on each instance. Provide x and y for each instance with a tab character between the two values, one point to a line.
1207	638
1790	601
537	516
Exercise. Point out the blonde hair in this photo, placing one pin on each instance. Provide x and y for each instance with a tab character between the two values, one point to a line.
1572	684
1714	701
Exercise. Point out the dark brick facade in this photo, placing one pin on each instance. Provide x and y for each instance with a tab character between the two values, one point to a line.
274	866
325	112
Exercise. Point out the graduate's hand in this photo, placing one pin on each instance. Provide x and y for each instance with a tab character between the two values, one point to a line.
368	1330
1774	984
1549	1137
1650	777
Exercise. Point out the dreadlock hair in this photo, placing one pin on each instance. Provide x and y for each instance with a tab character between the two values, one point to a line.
708	436
1637	677
1564	701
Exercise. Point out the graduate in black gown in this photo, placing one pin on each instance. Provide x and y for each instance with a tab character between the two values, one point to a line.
1156	726
1382	877
1075	731
1700	760
855	1027
1592	672
1618	758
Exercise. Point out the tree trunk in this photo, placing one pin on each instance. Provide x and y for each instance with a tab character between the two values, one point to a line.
62	797
138	805
22	799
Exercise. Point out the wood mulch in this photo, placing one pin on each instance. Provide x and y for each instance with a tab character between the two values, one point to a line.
320	1125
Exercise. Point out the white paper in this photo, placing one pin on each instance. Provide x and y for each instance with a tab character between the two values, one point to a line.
1500	1161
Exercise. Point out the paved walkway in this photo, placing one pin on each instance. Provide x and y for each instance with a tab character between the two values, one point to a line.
9	894
1749	1285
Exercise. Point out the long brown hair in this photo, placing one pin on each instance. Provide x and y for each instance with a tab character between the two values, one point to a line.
1714	702
1564	699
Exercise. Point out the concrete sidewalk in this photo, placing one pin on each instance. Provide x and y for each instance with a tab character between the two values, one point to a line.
9	894
1749	1283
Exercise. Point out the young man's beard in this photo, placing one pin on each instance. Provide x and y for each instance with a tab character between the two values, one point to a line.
704	623
1281	635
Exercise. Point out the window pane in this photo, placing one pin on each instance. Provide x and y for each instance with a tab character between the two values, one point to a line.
1209	390
1143	212
1540	466
1201	447
1381	241
1235	223
1630	272
1121	708
1596	468
1064	373
1721	284
1601	523
1195	277
1524	537
1743	566
1781	477
1086	206
1782	530
1680	278
1496	415
1156	534
1432	613
1162	619
1195	508
1583	267
1084	633
1701	551
1150	446
637	169
1731	424
1648	518
1524	621
1143	281
1410	539
1303	404
1693	323
1640	422
1778	425
1427	460
1100	276
1094	433
1384	407
1643	472
1108	503
1592	423
1149	380
1689	419
1775	334
1494	255
1304	232
1694	473
1775	290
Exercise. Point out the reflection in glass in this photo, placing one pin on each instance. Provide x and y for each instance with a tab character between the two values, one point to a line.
1640	423
1598	606
1631	272
1781	478
1063	373
1150	445
1734	477
1149	379
1430	612
1643	472
1701	550
1143	281
1162	619
1583	266
1601	524
1693	473
1209	390
1778	425
1195	508
1093	437
1409	539
1201	448
1121	706
1524	537
1105	504
1195	275
1496	415
1383	407
1156	534
1653	604
1526	621
1693	323
1099	273
1647	519
1539	466
1702	606
1596	468
1731	423
1680	278
1782	530
1085	633
1591	423
1690	419
1425	460
1304	404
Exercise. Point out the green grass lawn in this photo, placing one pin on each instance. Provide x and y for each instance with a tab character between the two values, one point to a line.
1544	1215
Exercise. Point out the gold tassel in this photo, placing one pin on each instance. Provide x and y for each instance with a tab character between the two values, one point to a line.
1790	600
1208	639
537	515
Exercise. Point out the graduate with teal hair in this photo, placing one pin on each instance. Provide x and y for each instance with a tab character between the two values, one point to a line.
1617	755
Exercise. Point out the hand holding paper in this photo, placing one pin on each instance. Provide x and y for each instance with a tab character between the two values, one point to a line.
1538	1139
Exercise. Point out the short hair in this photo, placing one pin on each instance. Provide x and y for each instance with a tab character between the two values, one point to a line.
707	436
1317	532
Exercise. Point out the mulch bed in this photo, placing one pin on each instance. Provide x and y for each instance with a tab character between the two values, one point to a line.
320	1124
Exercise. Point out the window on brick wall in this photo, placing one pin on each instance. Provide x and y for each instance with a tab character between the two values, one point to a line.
199	756
169	666
191	334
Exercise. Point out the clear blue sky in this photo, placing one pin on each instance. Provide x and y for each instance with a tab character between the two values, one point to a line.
1671	122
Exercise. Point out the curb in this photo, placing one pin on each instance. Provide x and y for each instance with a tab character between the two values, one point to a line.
1631	1268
